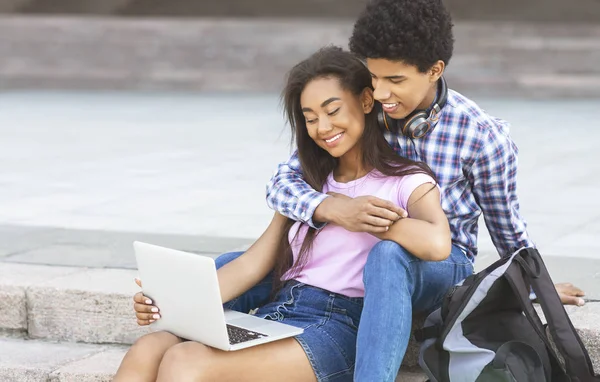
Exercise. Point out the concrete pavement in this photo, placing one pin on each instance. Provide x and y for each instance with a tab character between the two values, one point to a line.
84	174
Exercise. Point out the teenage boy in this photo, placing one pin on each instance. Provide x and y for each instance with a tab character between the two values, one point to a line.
407	45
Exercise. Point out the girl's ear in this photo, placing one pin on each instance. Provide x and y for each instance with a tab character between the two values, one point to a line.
367	101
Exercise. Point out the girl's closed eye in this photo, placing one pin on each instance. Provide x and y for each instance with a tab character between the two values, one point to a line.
334	112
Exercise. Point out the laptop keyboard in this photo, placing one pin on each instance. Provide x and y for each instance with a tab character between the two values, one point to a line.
238	335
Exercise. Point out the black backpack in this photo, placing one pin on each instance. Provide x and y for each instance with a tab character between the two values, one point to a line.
487	329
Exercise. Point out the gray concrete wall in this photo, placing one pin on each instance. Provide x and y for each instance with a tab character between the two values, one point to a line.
526	10
254	54
506	10
9	6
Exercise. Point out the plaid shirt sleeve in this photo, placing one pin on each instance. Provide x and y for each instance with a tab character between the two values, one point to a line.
290	195
495	186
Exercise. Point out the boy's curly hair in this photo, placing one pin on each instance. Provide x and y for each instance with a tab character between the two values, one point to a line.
416	32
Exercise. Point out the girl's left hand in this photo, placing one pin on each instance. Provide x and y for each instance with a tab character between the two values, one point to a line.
145	311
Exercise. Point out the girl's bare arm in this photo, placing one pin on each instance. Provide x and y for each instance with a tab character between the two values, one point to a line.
255	264
426	233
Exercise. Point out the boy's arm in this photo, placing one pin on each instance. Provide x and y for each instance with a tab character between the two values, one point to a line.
291	196
494	179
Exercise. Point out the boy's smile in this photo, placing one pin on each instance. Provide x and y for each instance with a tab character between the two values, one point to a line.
390	108
402	88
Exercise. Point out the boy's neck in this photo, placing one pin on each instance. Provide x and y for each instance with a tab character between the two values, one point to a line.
350	167
429	98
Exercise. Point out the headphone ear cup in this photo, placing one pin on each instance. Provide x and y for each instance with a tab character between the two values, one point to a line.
381	117
416	125
384	121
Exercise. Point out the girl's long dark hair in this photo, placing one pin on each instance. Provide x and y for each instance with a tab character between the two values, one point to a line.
316	163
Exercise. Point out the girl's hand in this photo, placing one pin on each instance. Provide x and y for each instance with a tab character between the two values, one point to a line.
145	312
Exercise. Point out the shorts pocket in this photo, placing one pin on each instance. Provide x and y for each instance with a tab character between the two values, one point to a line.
341	314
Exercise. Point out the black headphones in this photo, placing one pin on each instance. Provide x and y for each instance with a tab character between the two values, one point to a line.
418	123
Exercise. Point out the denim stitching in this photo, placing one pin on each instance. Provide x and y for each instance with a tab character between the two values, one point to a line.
291	299
350	364
327	311
311	359
349	320
349	371
389	373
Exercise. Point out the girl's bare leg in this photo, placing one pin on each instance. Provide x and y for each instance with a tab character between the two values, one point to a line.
283	360
143	358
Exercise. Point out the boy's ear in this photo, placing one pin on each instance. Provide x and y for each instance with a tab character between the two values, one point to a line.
367	100
436	71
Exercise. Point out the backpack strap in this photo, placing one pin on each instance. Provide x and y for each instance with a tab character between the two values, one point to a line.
514	277
568	342
433	331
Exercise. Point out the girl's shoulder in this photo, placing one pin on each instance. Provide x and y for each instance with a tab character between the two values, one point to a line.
418	177
400	188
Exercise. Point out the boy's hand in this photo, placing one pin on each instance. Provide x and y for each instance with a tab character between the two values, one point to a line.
145	312
362	214
570	294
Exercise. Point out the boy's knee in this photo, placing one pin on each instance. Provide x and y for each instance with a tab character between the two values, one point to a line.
227	258
388	252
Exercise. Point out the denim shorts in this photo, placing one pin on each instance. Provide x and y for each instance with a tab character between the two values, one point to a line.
330	322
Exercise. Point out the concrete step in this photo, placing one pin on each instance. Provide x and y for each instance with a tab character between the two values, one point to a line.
531	10
42	361
243	8
77	7
71	304
208	54
8	6
411	375
39	361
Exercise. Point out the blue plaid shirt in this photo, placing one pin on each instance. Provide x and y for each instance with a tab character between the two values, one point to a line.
474	160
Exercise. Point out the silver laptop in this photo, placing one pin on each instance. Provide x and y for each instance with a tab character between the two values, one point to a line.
185	288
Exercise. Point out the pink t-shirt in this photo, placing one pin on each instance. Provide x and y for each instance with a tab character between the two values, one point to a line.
338	256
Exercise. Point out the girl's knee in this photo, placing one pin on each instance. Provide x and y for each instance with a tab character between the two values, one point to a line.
142	360
157	342
188	360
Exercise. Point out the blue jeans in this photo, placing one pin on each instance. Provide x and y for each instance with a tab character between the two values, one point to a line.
395	280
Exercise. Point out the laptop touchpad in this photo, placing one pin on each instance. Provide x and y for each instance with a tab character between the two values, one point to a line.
248	322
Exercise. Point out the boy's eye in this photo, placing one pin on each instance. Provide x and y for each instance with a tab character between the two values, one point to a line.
334	112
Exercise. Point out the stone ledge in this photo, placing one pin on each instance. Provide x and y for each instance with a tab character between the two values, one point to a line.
586	320
95	306
100	367
14	279
34	361
37	361
493	58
